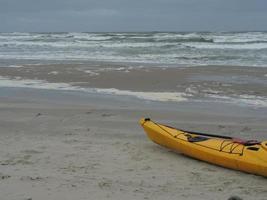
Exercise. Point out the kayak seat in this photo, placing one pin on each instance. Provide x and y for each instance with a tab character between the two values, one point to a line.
196	138
246	142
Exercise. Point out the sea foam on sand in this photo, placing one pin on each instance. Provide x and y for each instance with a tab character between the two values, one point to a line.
40	84
248	100
153	96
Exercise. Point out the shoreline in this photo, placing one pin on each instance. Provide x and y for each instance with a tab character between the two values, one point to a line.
236	85
170	110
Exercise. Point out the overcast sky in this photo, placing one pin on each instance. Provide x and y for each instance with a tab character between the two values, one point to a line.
132	15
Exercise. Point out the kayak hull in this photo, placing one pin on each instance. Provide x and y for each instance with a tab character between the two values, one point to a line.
219	151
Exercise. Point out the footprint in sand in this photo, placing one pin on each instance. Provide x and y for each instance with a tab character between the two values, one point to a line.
38	114
3	177
24	160
146	168
30	178
31	151
107	115
234	198
221	126
246	129
105	184
71	141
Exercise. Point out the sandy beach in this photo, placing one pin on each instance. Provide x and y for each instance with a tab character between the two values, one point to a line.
60	144
76	77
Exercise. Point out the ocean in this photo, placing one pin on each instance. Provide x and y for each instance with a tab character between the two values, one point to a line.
161	48
155	66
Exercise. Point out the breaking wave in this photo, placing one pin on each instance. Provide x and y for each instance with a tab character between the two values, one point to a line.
248	48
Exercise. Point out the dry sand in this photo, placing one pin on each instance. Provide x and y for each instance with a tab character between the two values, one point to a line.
65	146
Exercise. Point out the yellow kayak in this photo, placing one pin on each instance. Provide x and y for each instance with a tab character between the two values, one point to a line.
248	156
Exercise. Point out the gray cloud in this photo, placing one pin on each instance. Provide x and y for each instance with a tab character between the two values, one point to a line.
129	15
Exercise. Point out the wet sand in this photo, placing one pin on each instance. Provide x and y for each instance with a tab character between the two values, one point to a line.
73	145
198	81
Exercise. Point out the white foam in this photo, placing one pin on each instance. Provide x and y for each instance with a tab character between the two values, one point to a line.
96	72
28	83
211	92
250	100
255	46
91	73
89	36
13	66
254	100
191	90
53	72
106	69
240	38
153	96
40	84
